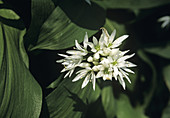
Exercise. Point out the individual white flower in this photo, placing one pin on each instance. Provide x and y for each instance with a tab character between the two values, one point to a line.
165	20
73	61
110	40
70	63
88	74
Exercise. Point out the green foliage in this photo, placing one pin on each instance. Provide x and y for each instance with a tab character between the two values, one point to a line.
53	27
20	94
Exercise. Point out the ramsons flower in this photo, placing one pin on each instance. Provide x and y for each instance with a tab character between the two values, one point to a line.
165	21
99	59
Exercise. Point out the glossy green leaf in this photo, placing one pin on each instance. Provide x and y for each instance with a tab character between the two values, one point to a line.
126	110
108	101
69	100
130	4
20	94
160	51
69	22
12	15
166	74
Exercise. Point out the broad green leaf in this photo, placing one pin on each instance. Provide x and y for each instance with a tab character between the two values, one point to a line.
126	110
69	100
108	101
20	94
166	112
166	74
40	10
160	51
69	22
130	4
12	15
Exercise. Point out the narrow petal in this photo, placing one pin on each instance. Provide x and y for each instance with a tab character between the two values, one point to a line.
124	52
85	41
95	41
60	61
71	72
93	78
79	76
66	74
78	46
122	82
84	65
124	74
112	36
128	70
125	57
63	55
129	64
115	73
86	81
118	41
74	52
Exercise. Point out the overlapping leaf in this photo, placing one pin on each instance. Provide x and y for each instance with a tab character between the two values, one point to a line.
20	94
69	100
64	23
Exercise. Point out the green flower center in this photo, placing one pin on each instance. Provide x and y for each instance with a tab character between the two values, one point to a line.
106	71
110	44
97	47
114	63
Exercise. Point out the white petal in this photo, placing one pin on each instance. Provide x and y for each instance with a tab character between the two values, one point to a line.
85	41
74	52
119	41
165	23
60	61
128	70
91	45
96	56
95	41
125	57
129	64
86	81
112	36
78	46
93	78
71	72
66	74
124	74
79	76
164	18
99	74
84	65
122	82
63	55
90	59
124	52
115	73
114	51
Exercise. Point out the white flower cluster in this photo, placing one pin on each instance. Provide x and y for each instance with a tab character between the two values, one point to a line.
98	59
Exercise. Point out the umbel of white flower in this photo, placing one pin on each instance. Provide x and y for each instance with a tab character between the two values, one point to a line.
98	59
